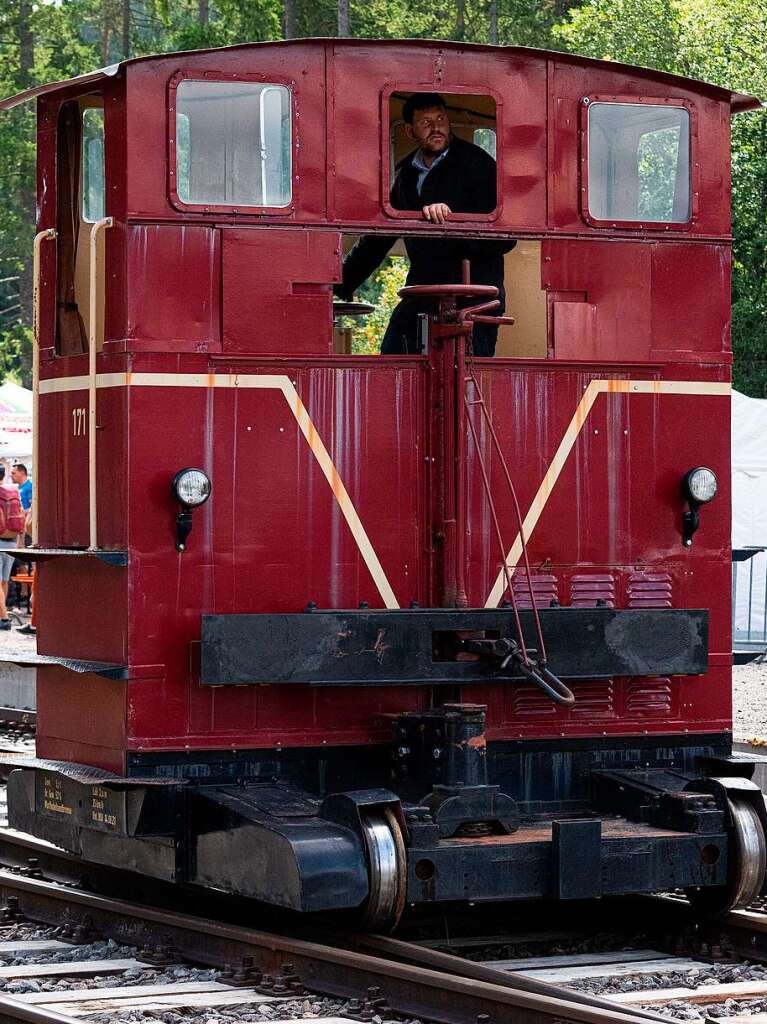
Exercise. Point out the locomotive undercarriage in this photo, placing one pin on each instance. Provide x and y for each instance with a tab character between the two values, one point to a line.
559	821
438	814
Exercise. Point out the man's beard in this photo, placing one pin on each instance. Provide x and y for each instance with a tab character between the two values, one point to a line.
437	137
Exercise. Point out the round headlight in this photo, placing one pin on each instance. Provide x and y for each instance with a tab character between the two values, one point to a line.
700	485
190	487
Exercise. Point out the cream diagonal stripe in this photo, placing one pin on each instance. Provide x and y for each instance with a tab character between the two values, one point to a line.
278	382
595	388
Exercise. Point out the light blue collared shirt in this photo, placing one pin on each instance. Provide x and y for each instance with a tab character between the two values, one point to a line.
421	167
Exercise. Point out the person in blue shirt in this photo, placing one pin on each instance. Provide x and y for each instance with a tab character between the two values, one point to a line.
22	480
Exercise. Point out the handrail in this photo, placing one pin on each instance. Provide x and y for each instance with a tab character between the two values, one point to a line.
40	237
96	230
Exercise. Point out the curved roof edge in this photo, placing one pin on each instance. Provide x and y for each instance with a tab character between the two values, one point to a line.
40	90
739	102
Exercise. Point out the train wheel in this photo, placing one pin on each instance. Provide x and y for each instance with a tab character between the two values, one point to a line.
387	869
748	855
751	850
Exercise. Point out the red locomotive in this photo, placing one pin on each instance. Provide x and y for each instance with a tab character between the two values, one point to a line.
296	642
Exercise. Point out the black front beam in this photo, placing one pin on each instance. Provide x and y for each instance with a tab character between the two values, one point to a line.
378	647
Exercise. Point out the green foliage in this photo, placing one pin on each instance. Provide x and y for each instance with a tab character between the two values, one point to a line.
381	290
721	42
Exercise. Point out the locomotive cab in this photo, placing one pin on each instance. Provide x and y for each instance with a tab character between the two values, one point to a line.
335	632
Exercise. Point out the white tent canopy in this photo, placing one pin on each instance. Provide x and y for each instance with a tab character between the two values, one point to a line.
15	422
749	513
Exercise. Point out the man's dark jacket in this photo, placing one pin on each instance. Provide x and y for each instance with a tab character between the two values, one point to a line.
465	179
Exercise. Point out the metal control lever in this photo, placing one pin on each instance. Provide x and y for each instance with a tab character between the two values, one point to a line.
551	685
509	652
499	648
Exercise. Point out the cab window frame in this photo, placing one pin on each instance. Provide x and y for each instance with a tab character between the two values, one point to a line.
660	226
225	78
92	102
457	220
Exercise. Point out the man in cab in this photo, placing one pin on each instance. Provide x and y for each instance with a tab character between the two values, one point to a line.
442	176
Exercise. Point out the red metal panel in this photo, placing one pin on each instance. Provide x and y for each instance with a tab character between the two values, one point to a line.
690	288
184	314
301	66
615	315
82	609
636	300
272	537
518	83
80	718
570	82
63	470
617	498
277	296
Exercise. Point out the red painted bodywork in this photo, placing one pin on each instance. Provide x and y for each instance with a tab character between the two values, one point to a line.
224	293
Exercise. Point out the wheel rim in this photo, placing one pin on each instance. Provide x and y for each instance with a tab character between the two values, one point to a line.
386	870
751	851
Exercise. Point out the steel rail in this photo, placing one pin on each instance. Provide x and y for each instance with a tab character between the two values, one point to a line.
409	952
408	989
19	715
12	1010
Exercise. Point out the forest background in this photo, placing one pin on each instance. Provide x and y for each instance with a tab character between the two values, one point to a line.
721	41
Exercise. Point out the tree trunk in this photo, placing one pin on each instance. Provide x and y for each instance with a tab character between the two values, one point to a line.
26	44
343	17
289	19
106	30
126	28
202	12
493	22
26	41
460	19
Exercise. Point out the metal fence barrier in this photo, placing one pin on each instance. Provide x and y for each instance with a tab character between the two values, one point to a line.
749	600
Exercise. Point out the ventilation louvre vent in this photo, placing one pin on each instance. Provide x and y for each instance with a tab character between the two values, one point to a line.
544	589
528	701
650	698
594	699
649	590
586	591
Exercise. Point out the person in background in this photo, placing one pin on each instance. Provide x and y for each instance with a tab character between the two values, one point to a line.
11	525
23	481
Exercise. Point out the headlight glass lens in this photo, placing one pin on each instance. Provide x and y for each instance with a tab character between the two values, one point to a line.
701	484
191	487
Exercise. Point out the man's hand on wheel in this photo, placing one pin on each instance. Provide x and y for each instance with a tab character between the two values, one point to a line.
437	213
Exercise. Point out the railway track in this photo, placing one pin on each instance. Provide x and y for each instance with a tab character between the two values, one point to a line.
17	732
71	973
694	972
253	969
68	954
128	961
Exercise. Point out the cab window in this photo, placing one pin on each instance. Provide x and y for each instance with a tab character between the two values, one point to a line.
471	118
233	144
93	191
638	163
